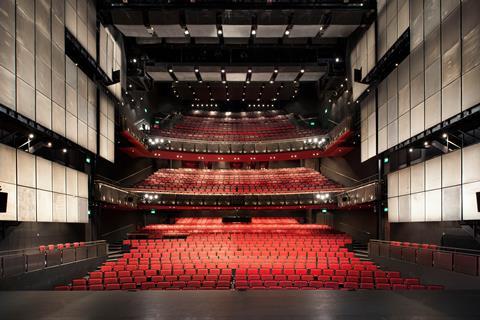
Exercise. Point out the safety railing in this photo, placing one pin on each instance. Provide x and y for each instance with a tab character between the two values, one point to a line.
459	260
17	262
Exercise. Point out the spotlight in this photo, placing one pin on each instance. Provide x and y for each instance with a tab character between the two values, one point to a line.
425	143
337	59
170	70
219	31
444	136
275	71
31	136
49	144
287	32
249	70
64	150
410	150
302	70
186	32
254	32
196	70
223	70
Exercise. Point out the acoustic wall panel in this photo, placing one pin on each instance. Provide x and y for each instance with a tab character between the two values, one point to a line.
59	207
82	210
417	178
44	174
8	172
44	206
59	178
58	119
451	99
43	110
471	163
26	204
392	134
26	172
7	87
392	182
433	112
82	180
107	128
404	208
417	207
433	205
416	23
72	209
470	35
72	127
417	120
470	92
431	15
433	173
71	182
404	181
382	140
393	210
452	203
404	127
7	50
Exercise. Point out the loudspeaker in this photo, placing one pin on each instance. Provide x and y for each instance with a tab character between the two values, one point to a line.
3	201
478	201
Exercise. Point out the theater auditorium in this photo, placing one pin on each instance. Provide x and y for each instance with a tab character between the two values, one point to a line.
261	159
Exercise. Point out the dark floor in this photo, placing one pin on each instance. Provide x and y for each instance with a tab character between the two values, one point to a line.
239	305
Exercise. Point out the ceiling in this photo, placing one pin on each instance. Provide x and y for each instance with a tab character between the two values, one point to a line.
250	51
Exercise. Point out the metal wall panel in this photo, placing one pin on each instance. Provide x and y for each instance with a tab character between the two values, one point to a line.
92	140
416	62
470	163
417	120
25	27
417	93
432	47
451	203
44	174
7	88
382	140
404	181
433	110
404	211
59	209
26	204
58	119
26	172
433	79
392	134
382	116
431	15
403	16
470	91
43	48
417	179
452	168
416	23
72	209
7	16
382	95
71	182
44	206
403	100
58	32
451	99
82	134
392	85
470	34
58	178
418	207
448	6
451	55
8	167
392	109
43	110
25	99
433	173
42	16
43	78
404	127
82	210
71	18
58	62
433	205
7	51
393	210
71	127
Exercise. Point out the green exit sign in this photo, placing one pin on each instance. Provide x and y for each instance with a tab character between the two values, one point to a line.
324	210
153	211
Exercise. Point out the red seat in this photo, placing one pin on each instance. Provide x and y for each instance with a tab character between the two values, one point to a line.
128	286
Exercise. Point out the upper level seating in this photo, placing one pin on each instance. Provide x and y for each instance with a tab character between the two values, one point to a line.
271	181
251	127
221	259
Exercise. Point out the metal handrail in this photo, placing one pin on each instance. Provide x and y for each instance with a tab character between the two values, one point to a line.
36	249
470	252
117	230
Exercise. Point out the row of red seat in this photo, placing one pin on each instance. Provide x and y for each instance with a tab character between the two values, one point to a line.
272	181
60	246
186	265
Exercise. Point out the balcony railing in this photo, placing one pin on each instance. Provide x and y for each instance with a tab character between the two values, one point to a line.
17	262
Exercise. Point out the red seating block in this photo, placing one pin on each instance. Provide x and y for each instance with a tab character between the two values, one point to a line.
128	286
112	286
148	285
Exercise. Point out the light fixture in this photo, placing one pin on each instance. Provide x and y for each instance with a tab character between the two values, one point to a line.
31	136
302	70
196	70
249	70
186	32
275	70
444	136
219	31
49	144
254	32
170	70
321	28
223	70
134	60
271	81
425	143
287	32
337	59
64	150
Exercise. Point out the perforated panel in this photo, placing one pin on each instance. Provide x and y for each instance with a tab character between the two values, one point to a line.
418	207
8	167
72	209
417	179
59	207
44	206
417	120
451	100
470	92
433	113
433	173
26	172
44	174
404	214
392	184
393	210
26	204
451	203
433	205
11	189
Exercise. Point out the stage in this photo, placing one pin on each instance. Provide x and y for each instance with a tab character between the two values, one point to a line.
246	305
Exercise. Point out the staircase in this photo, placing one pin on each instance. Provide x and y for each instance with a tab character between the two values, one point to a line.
361	250
114	251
